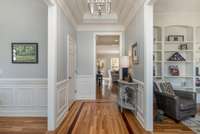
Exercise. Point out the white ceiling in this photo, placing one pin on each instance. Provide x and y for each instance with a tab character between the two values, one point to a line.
121	10
177	6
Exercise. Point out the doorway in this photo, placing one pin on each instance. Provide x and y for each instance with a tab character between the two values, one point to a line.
107	70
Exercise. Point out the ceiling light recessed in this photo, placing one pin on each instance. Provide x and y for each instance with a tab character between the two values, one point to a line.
116	40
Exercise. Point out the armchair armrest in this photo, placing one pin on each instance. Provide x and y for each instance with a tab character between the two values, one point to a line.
186	94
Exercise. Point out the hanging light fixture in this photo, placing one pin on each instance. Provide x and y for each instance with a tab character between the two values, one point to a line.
99	7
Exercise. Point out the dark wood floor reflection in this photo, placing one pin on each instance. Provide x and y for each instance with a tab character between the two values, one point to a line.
106	93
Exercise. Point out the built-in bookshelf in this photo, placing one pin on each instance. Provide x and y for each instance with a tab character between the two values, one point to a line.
197	60
177	56
157	54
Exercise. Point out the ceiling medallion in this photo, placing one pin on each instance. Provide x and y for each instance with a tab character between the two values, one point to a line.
99	7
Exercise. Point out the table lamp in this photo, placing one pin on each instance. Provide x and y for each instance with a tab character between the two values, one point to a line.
124	64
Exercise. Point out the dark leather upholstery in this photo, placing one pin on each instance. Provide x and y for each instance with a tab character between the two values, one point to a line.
178	107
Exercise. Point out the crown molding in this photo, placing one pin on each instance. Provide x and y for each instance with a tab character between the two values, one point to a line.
101	28
67	12
106	19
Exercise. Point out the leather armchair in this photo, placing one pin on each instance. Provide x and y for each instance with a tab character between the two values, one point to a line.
178	107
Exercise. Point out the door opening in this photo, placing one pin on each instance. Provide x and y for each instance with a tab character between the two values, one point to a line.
107	66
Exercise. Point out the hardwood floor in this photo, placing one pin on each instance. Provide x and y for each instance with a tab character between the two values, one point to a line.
169	126
14	125
99	117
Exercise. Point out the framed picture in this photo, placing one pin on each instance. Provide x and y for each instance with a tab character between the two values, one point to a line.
176	38
183	47
25	53
135	57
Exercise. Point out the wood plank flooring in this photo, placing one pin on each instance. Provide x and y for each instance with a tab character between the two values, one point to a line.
169	126
99	117
14	125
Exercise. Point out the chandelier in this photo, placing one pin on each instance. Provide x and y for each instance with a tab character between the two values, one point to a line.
99	7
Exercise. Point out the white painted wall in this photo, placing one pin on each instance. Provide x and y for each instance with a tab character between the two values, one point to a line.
23	21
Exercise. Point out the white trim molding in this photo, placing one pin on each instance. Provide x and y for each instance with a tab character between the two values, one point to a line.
85	87
101	28
23	97
140	102
148	65
61	100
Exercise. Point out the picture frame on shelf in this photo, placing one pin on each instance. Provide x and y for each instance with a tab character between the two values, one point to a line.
135	53
179	38
24	53
183	46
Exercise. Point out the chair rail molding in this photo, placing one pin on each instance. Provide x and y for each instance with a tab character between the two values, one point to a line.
23	97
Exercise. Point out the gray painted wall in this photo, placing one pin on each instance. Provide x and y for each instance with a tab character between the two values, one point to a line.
85	55
64	28
135	33
23	21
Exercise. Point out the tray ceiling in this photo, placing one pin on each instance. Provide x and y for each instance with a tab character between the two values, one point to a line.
121	10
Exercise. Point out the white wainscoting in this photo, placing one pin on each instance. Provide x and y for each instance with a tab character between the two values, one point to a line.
86	87
23	97
61	100
140	102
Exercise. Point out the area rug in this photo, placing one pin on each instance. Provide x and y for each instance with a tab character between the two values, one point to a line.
193	123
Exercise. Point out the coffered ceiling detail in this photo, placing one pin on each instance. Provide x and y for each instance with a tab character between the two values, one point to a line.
122	10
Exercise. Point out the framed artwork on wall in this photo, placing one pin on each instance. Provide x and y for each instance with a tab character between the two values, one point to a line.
25	53
135	54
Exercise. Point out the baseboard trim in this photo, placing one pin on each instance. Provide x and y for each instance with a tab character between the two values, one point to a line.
23	113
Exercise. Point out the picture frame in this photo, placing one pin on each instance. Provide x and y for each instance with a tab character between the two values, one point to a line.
135	54
179	38
24	53
183	46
